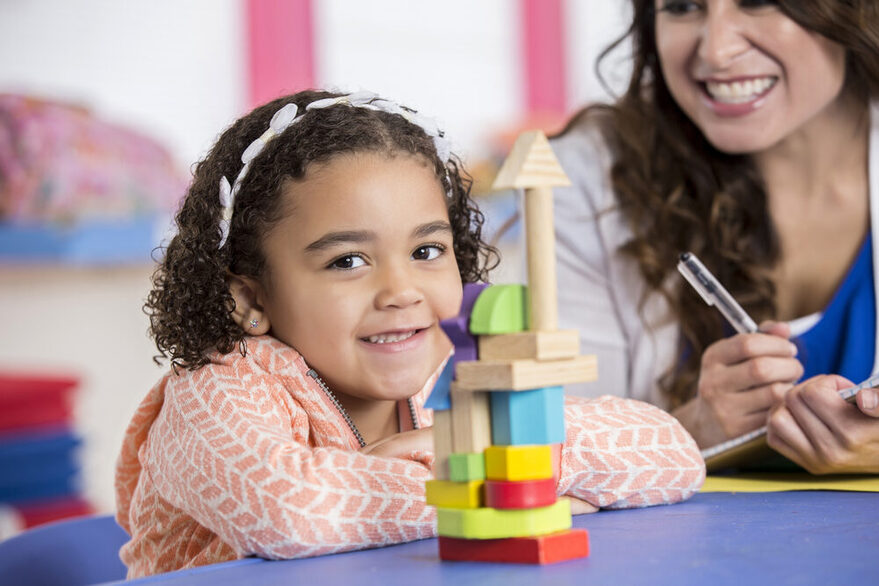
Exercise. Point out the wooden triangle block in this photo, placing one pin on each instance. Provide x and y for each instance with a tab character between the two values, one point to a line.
531	163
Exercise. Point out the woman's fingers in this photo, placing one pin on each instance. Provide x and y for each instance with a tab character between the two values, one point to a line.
759	372
742	347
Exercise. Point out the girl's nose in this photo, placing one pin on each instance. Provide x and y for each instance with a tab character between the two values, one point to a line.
722	38
398	288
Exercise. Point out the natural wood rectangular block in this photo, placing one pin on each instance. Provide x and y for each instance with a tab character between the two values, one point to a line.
471	420
517	375
442	443
530	345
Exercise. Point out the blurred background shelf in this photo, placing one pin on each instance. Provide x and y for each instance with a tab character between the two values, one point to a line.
83	243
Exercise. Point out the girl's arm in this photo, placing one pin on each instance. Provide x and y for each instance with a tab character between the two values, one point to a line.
231	452
621	453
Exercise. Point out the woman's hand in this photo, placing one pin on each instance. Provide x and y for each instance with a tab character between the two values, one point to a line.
401	445
741	379
822	433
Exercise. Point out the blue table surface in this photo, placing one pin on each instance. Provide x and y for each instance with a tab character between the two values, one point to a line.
809	537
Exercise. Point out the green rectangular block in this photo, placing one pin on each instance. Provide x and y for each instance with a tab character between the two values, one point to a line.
487	523
464	467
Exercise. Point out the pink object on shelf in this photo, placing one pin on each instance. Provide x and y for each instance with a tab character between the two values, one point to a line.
61	164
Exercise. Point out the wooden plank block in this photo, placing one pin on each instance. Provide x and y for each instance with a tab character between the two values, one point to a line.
455	495
518	462
471	421
500	309
464	467
542	345
442	443
536	416
526	494
517	375
488	523
542	549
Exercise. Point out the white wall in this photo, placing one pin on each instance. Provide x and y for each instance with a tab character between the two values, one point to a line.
171	68
175	70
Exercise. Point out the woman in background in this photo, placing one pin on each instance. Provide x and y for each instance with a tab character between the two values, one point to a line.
748	135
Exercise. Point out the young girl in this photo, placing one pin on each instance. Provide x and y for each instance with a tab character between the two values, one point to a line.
299	304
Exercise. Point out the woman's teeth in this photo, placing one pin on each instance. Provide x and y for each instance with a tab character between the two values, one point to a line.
739	92
387	338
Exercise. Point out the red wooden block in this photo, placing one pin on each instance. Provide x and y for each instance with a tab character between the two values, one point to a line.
524	494
541	549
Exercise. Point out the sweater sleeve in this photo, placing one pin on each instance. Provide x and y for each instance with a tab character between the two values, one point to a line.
621	453
224	451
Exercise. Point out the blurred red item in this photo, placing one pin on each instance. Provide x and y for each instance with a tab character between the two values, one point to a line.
28	401
40	512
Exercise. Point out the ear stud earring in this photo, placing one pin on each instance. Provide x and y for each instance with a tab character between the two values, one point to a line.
254	322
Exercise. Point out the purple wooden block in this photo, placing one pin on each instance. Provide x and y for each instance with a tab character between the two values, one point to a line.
457	328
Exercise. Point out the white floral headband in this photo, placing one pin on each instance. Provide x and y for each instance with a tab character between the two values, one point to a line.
286	116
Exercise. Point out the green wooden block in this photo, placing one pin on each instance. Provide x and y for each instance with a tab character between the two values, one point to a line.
500	309
465	467
487	523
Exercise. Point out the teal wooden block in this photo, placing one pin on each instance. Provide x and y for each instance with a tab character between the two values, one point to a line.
500	309
528	417
465	467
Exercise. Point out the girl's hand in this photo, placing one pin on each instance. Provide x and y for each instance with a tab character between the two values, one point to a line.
741	379
822	433
578	506
401	445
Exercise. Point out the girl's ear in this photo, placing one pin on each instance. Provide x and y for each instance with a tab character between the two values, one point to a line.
249	312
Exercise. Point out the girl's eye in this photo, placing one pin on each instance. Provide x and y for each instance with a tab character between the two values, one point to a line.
428	252
347	262
679	7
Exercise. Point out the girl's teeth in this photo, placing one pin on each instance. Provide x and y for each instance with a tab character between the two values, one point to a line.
739	92
387	338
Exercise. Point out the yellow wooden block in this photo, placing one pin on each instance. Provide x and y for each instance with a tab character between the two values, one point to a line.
455	495
471	421
487	523
518	462
442	443
517	375
547	345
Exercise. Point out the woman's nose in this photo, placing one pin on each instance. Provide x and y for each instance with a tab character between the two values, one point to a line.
722	38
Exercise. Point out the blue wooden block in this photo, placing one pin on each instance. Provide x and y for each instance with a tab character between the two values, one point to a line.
440	397
528	417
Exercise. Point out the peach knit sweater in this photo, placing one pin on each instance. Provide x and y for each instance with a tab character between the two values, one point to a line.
247	456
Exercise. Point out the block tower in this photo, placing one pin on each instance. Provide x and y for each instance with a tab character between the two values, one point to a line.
499	407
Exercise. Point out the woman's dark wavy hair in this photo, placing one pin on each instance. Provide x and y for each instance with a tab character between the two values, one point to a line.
190	303
679	193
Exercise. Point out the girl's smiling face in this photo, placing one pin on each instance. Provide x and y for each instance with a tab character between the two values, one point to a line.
360	271
746	74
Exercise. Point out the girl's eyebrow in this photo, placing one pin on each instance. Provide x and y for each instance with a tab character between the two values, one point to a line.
335	238
332	239
425	230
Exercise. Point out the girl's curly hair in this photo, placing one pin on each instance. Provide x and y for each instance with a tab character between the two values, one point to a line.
190	304
679	193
